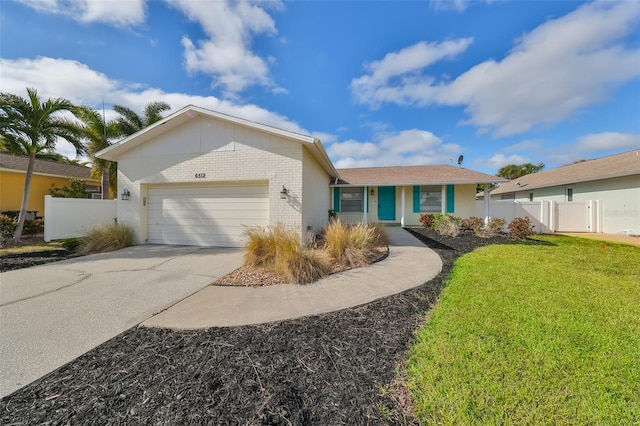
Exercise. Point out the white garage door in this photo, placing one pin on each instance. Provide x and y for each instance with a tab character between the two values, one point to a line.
211	215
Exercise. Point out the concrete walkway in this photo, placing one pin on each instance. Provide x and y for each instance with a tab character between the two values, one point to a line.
51	314
409	264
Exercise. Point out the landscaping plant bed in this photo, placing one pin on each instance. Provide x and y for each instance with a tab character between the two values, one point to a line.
9	262
343	367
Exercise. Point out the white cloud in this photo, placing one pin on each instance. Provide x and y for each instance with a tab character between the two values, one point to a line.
80	84
607	141
500	160
561	67
407	147
118	13
377	86
226	54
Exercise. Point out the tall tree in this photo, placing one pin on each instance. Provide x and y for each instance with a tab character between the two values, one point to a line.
514	171
99	135
130	122
35	126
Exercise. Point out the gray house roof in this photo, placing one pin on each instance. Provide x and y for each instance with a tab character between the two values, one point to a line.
17	163
619	165
413	175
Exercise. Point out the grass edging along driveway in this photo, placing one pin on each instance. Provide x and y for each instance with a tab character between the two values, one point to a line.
540	333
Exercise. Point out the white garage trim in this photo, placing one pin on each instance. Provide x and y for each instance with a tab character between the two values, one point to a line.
213	215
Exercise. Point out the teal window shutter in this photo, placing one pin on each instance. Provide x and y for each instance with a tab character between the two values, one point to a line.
363	194
336	199
416	198
451	206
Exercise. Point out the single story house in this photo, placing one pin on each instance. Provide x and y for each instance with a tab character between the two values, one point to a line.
401	194
200	177
613	182
46	173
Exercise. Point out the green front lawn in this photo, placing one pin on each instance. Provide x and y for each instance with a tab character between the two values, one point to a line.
534	333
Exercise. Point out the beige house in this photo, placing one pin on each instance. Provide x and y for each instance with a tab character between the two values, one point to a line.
611	184
199	177
401	194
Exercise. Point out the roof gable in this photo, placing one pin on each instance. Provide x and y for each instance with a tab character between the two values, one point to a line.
191	113
619	165
18	163
413	175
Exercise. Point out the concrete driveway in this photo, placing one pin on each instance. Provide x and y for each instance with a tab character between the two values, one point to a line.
53	313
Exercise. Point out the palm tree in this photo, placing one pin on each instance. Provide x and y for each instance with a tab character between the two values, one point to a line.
130	122
35	126
98	135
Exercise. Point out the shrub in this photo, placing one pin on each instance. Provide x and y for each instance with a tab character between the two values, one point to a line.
493	228
33	226
473	223
70	244
426	220
7	226
281	250
103	238
353	245
520	227
448	225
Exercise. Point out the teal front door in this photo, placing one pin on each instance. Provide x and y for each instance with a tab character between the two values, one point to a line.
386	203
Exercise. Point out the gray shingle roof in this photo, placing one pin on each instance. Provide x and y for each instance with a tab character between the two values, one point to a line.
413	175
624	164
45	167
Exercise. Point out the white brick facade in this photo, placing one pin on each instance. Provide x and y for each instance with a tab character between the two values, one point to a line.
209	150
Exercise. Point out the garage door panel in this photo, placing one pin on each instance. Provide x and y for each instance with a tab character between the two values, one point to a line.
215	215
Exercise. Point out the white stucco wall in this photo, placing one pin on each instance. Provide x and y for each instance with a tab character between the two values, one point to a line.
223	152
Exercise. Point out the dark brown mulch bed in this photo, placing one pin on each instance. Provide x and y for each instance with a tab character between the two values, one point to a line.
336	368
10	262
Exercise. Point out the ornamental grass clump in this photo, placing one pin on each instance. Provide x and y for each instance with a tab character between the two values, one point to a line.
282	251
353	245
104	238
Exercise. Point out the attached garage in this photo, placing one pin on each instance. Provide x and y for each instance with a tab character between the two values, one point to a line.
214	215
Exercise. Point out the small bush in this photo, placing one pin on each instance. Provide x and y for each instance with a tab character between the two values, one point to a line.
473	223
33	226
448	225
426	220
70	244
520	227
493	228
7	226
103	238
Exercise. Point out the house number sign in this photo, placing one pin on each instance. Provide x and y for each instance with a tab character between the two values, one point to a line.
200	175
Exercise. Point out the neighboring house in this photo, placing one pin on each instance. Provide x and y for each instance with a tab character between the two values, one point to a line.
13	170
613	182
401	194
199	177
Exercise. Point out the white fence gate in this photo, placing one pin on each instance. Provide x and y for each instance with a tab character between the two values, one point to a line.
72	217
548	216
572	216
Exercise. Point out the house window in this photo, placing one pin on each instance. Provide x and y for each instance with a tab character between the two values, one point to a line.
569	194
508	196
351	200
430	199
531	196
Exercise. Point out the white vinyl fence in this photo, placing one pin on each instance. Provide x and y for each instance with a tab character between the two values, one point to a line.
72	217
548	216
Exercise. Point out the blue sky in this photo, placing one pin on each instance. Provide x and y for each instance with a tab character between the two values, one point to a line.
380	83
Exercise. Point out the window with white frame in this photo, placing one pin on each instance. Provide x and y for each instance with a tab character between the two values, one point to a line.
508	196
350	200
431	199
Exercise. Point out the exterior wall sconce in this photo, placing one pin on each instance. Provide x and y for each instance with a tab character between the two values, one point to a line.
372	192
283	193
125	195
